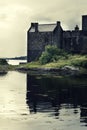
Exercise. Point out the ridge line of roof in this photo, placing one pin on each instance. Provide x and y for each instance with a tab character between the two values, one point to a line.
47	24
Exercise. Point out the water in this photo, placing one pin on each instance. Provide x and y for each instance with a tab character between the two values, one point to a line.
16	62
29	102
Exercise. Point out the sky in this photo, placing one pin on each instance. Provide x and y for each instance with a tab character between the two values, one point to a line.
17	15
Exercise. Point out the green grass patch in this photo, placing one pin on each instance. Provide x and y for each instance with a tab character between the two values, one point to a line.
72	60
35	64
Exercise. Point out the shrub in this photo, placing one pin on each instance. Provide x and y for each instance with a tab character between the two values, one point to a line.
80	63
51	54
45	58
84	64
3	62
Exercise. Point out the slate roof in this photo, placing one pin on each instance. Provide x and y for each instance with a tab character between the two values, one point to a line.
44	28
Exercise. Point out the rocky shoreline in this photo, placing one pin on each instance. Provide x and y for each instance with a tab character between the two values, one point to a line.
3	72
64	71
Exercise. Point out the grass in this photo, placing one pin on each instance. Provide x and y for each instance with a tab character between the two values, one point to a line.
72	60
32	65
7	67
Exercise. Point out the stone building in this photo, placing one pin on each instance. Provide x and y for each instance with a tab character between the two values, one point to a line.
40	35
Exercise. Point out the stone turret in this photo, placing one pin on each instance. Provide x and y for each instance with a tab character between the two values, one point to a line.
84	22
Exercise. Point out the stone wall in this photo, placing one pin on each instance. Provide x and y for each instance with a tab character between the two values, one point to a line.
74	41
84	45
71	41
58	36
36	44
84	22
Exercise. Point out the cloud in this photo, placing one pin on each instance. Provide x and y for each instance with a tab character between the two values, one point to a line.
61	10
12	31
17	15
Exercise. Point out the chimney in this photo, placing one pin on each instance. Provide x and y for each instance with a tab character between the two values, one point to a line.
32	24
58	23
35	25
76	28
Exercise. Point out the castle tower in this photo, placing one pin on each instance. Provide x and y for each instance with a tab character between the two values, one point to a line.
84	22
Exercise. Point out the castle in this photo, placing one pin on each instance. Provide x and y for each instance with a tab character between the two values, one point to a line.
40	35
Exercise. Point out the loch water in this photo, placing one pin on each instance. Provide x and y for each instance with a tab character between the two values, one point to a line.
35	102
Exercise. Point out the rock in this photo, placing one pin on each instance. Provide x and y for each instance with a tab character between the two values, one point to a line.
3	73
70	70
66	70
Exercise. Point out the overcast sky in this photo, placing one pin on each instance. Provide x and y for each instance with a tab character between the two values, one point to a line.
17	15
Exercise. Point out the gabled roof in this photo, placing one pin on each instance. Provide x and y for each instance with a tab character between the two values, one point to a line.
44	28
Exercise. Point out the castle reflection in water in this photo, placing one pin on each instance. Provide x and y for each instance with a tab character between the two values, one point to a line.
51	95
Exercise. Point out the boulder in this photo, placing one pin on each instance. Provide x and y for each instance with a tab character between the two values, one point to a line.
70	70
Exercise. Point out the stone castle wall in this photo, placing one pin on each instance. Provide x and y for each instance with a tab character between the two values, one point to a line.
38	40
36	44
71	41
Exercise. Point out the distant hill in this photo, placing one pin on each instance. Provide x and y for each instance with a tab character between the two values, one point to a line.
17	58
